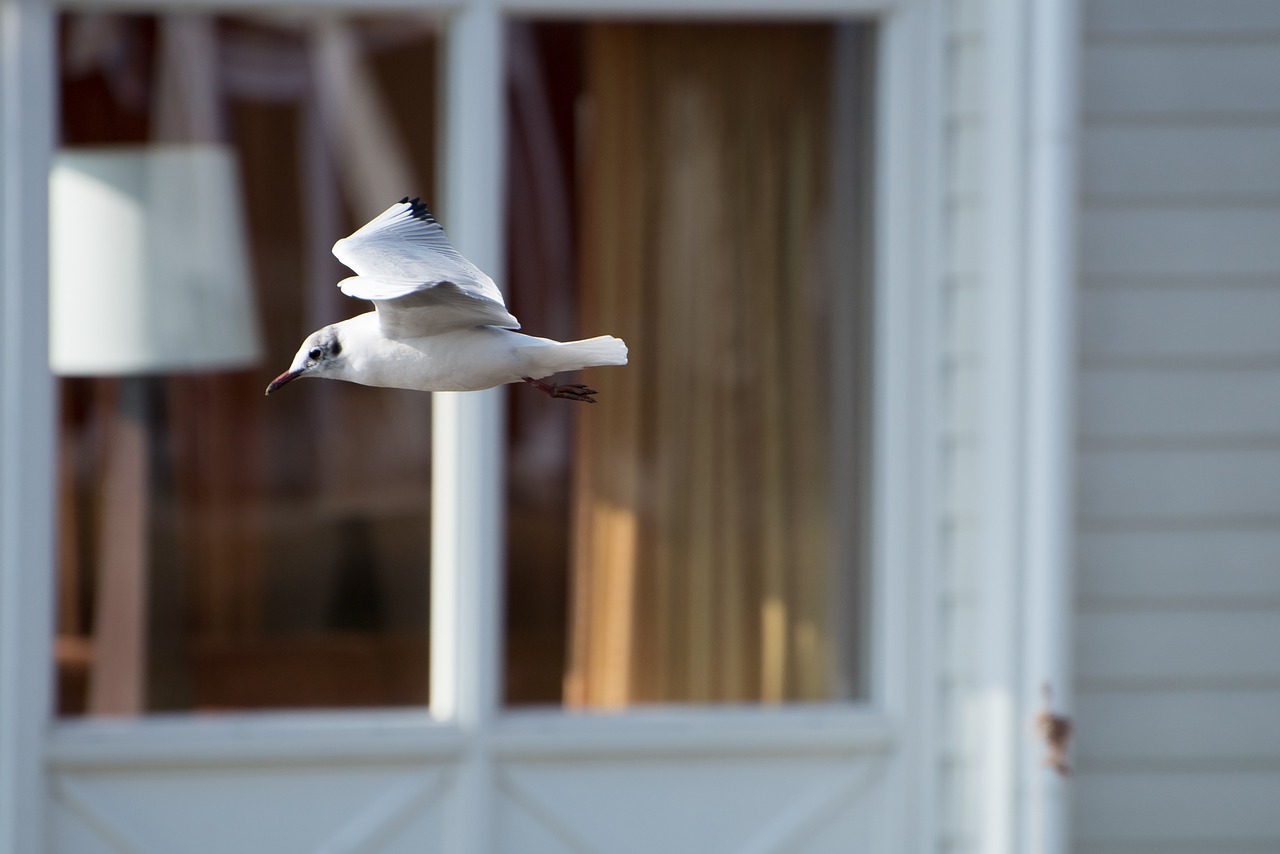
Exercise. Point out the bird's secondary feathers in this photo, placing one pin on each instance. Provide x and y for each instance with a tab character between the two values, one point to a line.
419	283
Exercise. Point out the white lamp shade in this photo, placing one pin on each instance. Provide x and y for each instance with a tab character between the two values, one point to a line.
149	268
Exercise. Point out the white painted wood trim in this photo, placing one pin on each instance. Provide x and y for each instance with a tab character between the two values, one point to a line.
678	731
252	739
1048	597
466	555
544	734
1030	101
27	429
467	526
467	429
1004	96
908	243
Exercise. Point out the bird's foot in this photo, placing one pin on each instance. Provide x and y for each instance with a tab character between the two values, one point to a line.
567	391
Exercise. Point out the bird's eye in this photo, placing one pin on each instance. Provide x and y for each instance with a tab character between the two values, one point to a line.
315	354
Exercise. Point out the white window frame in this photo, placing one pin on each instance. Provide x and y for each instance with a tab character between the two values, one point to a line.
466	721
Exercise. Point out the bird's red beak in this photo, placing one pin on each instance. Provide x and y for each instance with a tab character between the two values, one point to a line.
286	377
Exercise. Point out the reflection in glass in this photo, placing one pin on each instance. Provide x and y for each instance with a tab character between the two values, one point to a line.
218	550
700	191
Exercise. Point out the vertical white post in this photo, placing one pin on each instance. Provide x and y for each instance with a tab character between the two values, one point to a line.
467	520
1050	416
26	421
1005	735
1030	258
467	516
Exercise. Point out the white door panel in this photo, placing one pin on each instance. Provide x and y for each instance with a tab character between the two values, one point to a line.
732	804
237	808
694	804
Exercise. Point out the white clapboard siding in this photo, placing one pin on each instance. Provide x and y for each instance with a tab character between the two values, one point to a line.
1181	567
1178	479
1158	163
1203	18
1201	487
1226	808
1145	730
1226	407
1140	81
1203	319
1200	240
1153	647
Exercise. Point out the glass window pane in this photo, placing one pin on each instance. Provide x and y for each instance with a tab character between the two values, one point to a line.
700	190
219	549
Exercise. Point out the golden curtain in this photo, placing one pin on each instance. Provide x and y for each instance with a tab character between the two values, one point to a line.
703	511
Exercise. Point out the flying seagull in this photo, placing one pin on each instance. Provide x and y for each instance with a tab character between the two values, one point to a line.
440	323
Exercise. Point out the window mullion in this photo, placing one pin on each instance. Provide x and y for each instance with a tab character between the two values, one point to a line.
467	448
26	431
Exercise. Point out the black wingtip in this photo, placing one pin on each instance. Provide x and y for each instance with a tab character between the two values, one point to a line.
418	209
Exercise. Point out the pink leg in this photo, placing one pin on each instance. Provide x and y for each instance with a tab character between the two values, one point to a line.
568	392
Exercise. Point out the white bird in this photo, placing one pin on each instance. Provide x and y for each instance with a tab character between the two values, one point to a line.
440	323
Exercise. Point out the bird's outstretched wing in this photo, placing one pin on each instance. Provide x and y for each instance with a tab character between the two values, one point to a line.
419	283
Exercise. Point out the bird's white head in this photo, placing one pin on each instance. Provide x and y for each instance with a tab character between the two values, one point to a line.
321	355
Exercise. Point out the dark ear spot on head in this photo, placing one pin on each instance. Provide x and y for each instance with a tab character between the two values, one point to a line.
335	348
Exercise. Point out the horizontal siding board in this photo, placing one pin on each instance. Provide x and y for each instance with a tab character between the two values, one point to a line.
1180	322
1175	280
1171	646
1180	808
1177	633
1160	80
1180	163
1190	727
1208	405
1179	565
1204	18
1179	485
1196	241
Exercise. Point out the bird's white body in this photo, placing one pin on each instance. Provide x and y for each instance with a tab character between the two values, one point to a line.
440	323
467	359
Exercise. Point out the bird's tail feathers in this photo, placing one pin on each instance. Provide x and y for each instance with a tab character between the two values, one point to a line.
573	355
601	350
